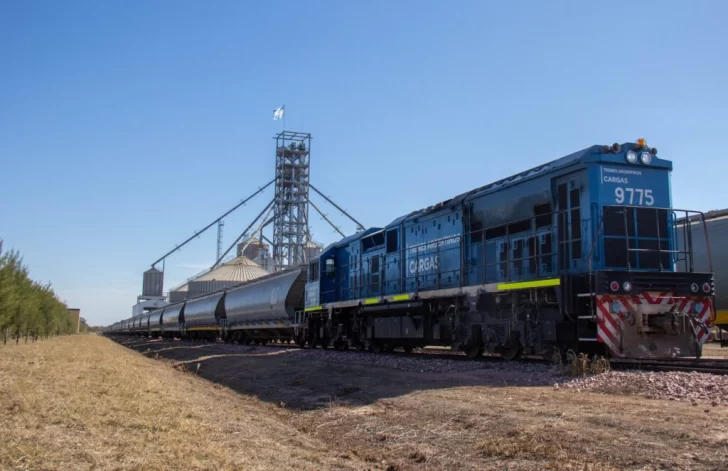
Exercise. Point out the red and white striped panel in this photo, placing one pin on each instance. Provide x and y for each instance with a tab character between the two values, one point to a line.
705	315
609	324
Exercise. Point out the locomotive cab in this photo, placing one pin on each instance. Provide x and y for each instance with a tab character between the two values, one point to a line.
647	299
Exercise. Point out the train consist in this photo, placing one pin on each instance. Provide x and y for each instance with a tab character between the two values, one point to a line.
583	253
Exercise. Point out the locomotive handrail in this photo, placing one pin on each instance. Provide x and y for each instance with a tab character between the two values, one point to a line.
687	235
686	221
365	285
361	289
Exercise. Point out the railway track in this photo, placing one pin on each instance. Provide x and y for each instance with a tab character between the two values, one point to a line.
705	365
687	365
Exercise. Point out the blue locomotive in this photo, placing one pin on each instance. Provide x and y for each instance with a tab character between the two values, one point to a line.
583	253
579	253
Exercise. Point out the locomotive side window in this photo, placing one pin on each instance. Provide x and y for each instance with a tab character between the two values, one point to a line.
562	225
517	258
545	250
569	224
543	215
313	271
575	224
330	268
503	259
392	241
375	274
532	255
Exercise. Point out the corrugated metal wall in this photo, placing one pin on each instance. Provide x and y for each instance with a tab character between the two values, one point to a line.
153	283
177	296
198	288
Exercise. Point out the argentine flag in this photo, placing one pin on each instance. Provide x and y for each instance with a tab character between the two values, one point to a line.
278	112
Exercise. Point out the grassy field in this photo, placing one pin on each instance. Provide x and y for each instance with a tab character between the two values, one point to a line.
85	402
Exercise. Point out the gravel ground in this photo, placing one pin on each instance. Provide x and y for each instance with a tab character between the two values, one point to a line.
695	388
423	363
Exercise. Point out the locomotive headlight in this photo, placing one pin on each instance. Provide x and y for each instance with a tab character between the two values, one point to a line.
706	287
627	286
614	286
694	288
646	158
631	156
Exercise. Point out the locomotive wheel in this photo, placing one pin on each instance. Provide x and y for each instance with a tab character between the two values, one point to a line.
389	348
474	352
512	352
360	346
377	347
407	349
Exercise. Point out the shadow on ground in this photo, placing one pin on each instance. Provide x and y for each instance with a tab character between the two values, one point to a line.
310	379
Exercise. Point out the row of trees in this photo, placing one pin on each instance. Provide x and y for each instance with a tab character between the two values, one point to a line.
28	308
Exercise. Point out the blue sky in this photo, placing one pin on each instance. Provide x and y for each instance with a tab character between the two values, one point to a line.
125	126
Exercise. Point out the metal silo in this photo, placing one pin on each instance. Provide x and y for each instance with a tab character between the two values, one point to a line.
153	283
312	250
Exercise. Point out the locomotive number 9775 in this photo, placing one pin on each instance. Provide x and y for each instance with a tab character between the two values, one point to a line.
633	196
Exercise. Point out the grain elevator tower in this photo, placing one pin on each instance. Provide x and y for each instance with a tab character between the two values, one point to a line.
290	226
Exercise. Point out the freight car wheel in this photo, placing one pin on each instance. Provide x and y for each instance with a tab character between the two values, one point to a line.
408	349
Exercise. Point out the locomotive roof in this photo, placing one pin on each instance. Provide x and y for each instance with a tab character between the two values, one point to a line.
589	154
346	240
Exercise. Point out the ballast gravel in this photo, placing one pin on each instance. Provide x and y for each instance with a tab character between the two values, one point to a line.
421	363
694	388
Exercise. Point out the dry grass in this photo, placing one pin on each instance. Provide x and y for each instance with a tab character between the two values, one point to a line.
474	428
84	402
583	365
